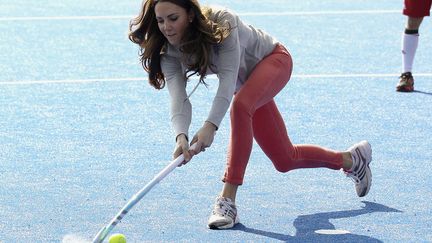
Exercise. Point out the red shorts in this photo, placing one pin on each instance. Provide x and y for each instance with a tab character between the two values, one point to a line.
417	8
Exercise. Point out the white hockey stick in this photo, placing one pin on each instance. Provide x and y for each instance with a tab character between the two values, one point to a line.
103	233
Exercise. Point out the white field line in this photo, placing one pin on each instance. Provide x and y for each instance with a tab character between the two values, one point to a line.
285	13
113	17
359	75
299	76
335	12
67	81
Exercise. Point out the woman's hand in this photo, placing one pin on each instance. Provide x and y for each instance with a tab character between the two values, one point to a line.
182	147
204	137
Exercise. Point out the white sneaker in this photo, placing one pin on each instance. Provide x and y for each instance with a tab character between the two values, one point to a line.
360	172
224	214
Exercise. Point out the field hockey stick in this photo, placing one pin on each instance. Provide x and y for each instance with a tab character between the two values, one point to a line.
103	233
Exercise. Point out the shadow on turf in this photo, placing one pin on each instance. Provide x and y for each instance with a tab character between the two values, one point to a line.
306	225
422	92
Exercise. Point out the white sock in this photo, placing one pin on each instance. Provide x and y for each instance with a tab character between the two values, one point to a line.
409	48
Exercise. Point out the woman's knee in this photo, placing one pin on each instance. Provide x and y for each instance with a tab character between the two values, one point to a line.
283	168
240	105
284	165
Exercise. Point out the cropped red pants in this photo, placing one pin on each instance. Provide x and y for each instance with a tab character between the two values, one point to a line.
417	8
254	114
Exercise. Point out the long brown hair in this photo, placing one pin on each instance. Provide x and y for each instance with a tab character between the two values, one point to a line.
196	44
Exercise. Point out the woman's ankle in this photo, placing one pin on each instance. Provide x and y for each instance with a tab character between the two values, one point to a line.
347	161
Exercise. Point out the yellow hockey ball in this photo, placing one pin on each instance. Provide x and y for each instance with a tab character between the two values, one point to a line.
117	238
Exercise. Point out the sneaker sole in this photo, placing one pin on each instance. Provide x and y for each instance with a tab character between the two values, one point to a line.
405	89
223	226
369	179
368	170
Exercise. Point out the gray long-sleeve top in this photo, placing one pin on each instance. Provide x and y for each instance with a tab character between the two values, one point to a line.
232	61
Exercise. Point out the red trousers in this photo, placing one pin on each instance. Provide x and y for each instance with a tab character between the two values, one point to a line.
254	114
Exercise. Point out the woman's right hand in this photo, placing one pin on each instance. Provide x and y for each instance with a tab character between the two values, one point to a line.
182	147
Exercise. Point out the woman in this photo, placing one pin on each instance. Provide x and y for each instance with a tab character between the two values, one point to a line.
179	39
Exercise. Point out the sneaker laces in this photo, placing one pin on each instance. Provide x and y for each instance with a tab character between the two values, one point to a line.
404	78
224	207
358	169
353	172
353	176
